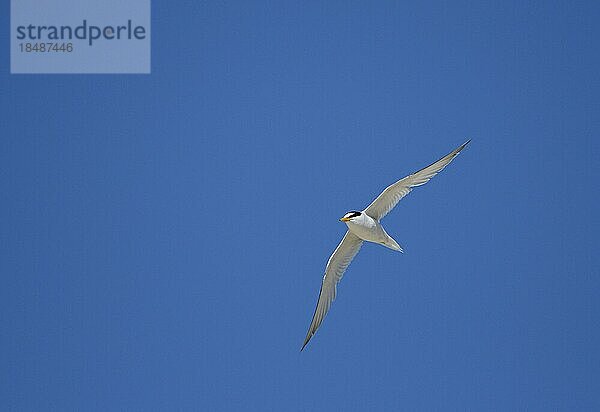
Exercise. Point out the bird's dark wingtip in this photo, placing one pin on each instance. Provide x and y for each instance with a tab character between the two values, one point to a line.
462	146
308	338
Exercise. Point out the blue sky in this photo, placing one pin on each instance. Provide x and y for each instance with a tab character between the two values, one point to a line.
164	236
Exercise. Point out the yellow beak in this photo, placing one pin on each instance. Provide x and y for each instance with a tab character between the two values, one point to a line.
344	219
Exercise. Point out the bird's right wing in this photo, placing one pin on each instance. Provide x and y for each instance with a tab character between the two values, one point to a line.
336	266
394	192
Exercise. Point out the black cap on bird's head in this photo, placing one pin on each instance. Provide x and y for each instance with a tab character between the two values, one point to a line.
350	215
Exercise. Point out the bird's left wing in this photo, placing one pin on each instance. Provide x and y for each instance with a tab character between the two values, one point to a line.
336	266
394	192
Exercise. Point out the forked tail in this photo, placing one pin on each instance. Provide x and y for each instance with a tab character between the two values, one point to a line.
392	244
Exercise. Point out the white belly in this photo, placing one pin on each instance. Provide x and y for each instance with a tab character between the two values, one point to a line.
367	229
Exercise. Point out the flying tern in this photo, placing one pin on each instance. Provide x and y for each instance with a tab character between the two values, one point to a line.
365	226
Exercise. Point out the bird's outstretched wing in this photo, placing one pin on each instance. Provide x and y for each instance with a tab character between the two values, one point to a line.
393	193
336	266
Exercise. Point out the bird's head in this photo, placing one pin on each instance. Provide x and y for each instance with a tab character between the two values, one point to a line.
350	216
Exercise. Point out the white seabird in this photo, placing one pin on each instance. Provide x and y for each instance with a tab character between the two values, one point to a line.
366	226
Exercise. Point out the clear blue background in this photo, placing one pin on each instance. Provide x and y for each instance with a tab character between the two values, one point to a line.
164	236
